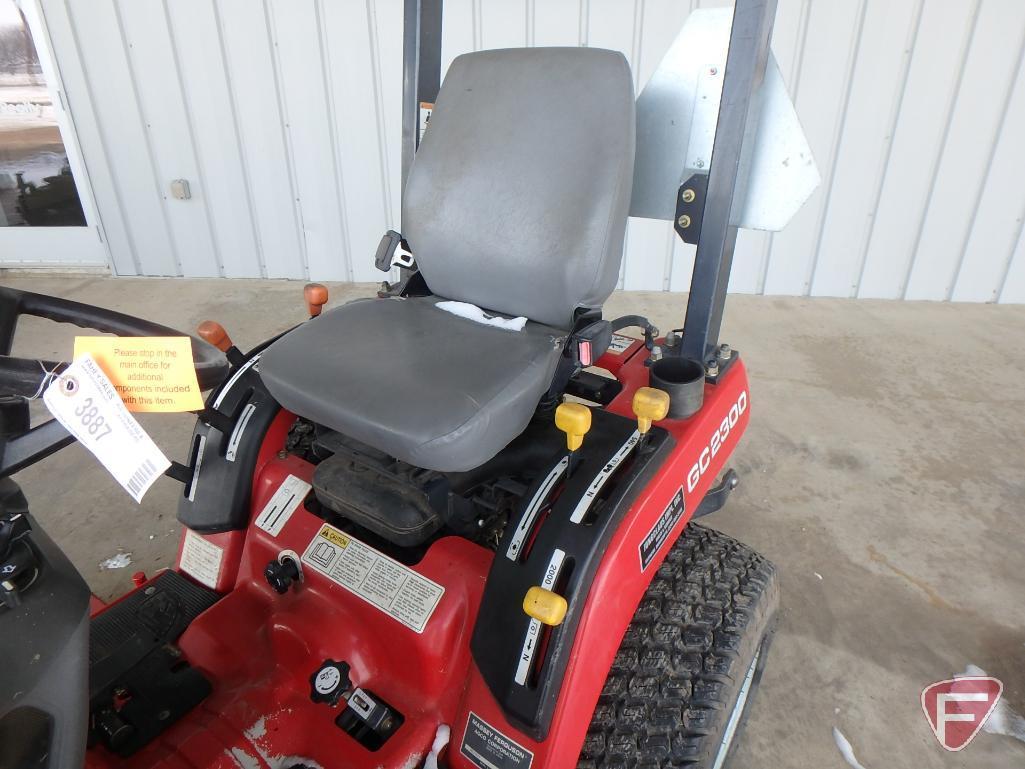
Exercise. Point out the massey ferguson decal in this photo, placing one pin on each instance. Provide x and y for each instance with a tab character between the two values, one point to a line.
717	441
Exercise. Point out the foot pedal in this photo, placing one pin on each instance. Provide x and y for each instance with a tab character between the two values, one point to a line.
157	614
139	684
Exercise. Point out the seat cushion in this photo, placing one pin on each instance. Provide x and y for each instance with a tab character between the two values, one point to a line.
428	387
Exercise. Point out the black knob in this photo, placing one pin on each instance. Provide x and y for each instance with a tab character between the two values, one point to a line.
281	574
114	731
330	682
18	570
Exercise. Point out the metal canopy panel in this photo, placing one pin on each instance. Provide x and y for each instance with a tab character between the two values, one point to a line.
676	119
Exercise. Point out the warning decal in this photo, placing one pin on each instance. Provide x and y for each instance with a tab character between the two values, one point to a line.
658	534
620	343
393	588
201	558
488	748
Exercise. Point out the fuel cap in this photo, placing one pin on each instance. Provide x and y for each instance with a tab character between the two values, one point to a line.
329	682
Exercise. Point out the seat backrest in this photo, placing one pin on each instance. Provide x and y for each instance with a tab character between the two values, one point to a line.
517	199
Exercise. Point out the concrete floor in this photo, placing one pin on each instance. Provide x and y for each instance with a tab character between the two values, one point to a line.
883	472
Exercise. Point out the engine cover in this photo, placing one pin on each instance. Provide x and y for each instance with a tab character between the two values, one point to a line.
377	499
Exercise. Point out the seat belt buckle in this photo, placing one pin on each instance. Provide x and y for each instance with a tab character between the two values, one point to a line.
393	251
590	342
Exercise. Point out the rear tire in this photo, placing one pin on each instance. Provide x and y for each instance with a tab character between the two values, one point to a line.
680	687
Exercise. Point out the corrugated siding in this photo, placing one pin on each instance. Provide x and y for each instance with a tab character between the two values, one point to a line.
284	115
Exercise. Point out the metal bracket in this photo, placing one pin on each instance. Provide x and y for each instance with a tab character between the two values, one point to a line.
690	208
719	363
716	496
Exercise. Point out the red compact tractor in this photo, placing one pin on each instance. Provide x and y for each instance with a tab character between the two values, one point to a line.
452	526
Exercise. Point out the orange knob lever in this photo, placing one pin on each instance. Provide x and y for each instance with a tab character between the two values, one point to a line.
213	332
315	295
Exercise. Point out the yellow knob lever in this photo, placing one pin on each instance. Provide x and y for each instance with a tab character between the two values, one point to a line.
574	419
650	405
545	606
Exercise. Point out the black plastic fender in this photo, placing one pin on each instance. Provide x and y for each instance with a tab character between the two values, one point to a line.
223	459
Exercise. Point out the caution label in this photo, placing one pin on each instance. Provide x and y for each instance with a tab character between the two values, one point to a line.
201	558
620	343
657	535
488	748
392	587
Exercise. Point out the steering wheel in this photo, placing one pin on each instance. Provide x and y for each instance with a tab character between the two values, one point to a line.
21	446
24	376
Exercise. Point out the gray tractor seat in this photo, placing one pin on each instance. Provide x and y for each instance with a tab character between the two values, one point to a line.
429	387
517	203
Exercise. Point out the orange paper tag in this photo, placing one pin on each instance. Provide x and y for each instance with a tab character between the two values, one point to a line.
150	373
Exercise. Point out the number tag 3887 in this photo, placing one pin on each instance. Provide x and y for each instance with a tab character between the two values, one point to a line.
87	404
92	420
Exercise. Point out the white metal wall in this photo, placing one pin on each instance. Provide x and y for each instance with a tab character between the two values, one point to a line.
284	116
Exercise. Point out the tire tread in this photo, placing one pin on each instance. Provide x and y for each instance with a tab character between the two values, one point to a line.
678	671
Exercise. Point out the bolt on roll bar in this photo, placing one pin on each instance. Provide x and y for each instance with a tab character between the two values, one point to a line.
745	70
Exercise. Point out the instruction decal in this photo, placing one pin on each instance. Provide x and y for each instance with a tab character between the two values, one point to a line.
488	748
660	531
282	504
620	344
395	589
201	559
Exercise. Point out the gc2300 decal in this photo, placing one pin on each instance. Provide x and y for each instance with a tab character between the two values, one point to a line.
716	441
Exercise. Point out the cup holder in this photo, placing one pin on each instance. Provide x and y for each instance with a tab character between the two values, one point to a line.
684	380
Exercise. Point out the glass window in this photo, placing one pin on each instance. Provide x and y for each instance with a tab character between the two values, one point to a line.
36	185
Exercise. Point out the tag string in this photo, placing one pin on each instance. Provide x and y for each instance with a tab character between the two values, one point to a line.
48	377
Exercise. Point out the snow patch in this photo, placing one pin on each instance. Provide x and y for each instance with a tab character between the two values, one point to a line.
844	746
119	561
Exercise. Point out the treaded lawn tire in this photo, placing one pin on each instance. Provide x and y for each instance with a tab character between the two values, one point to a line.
685	658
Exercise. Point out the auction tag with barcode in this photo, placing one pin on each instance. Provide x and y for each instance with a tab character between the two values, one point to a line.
86	403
